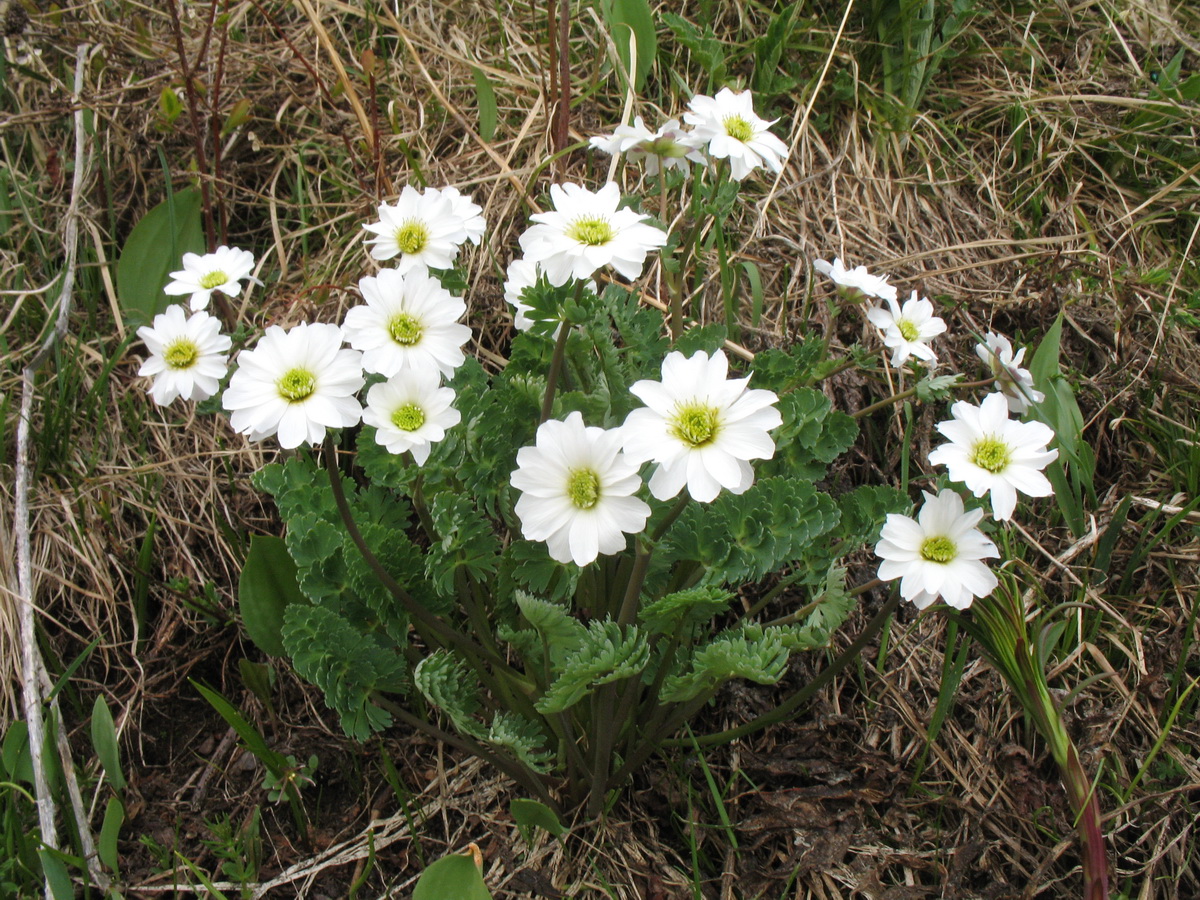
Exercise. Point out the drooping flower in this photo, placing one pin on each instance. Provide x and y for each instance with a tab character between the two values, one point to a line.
187	355
409	321
857	279
990	453
577	491
908	329
669	147
733	131
1015	383
586	231
425	228
522	274
295	383
222	270
411	411
938	554
700	427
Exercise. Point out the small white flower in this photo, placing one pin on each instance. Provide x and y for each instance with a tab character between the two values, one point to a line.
1011	380
939	554
700	428
733	131
577	491
425	228
187	355
989	452
669	147
409	321
585	231
522	274
907	329
411	412
856	279
295	384
222	270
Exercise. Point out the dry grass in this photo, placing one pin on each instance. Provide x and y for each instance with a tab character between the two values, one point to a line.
1018	191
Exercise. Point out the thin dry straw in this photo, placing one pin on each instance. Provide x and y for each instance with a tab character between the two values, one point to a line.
33	669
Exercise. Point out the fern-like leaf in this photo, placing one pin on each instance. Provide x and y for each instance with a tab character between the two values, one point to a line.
608	653
760	657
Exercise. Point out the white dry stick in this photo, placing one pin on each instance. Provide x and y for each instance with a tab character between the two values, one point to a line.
32	666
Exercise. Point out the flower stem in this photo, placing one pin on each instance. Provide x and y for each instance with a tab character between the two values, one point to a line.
557	361
445	633
911	392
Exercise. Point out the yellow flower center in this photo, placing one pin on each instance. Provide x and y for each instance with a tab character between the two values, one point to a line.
405	329
583	488
210	280
908	330
738	128
412	237
181	354
296	385
696	425
594	232
408	417
991	455
938	550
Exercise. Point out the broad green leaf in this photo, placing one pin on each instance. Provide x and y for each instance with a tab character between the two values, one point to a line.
533	814
56	874
630	22
268	584
486	97
153	250
454	877
104	739
106	843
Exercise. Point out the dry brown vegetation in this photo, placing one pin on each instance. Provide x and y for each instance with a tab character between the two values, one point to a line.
1026	185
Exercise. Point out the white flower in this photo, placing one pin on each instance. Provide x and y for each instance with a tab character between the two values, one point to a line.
469	212
409	321
221	271
577	491
187	355
907	329
700	428
425	228
411	412
522	274
295	383
733	131
988	452
669	147
1011	380
585	231
939	554
856	279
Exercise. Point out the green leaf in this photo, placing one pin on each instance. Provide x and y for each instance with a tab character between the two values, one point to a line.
708	338
684	609
935	387
486	98
153	250
630	22
253	739
56	874
104	739
708	53
454	877
761	657
609	653
529	814
267	586
110	830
